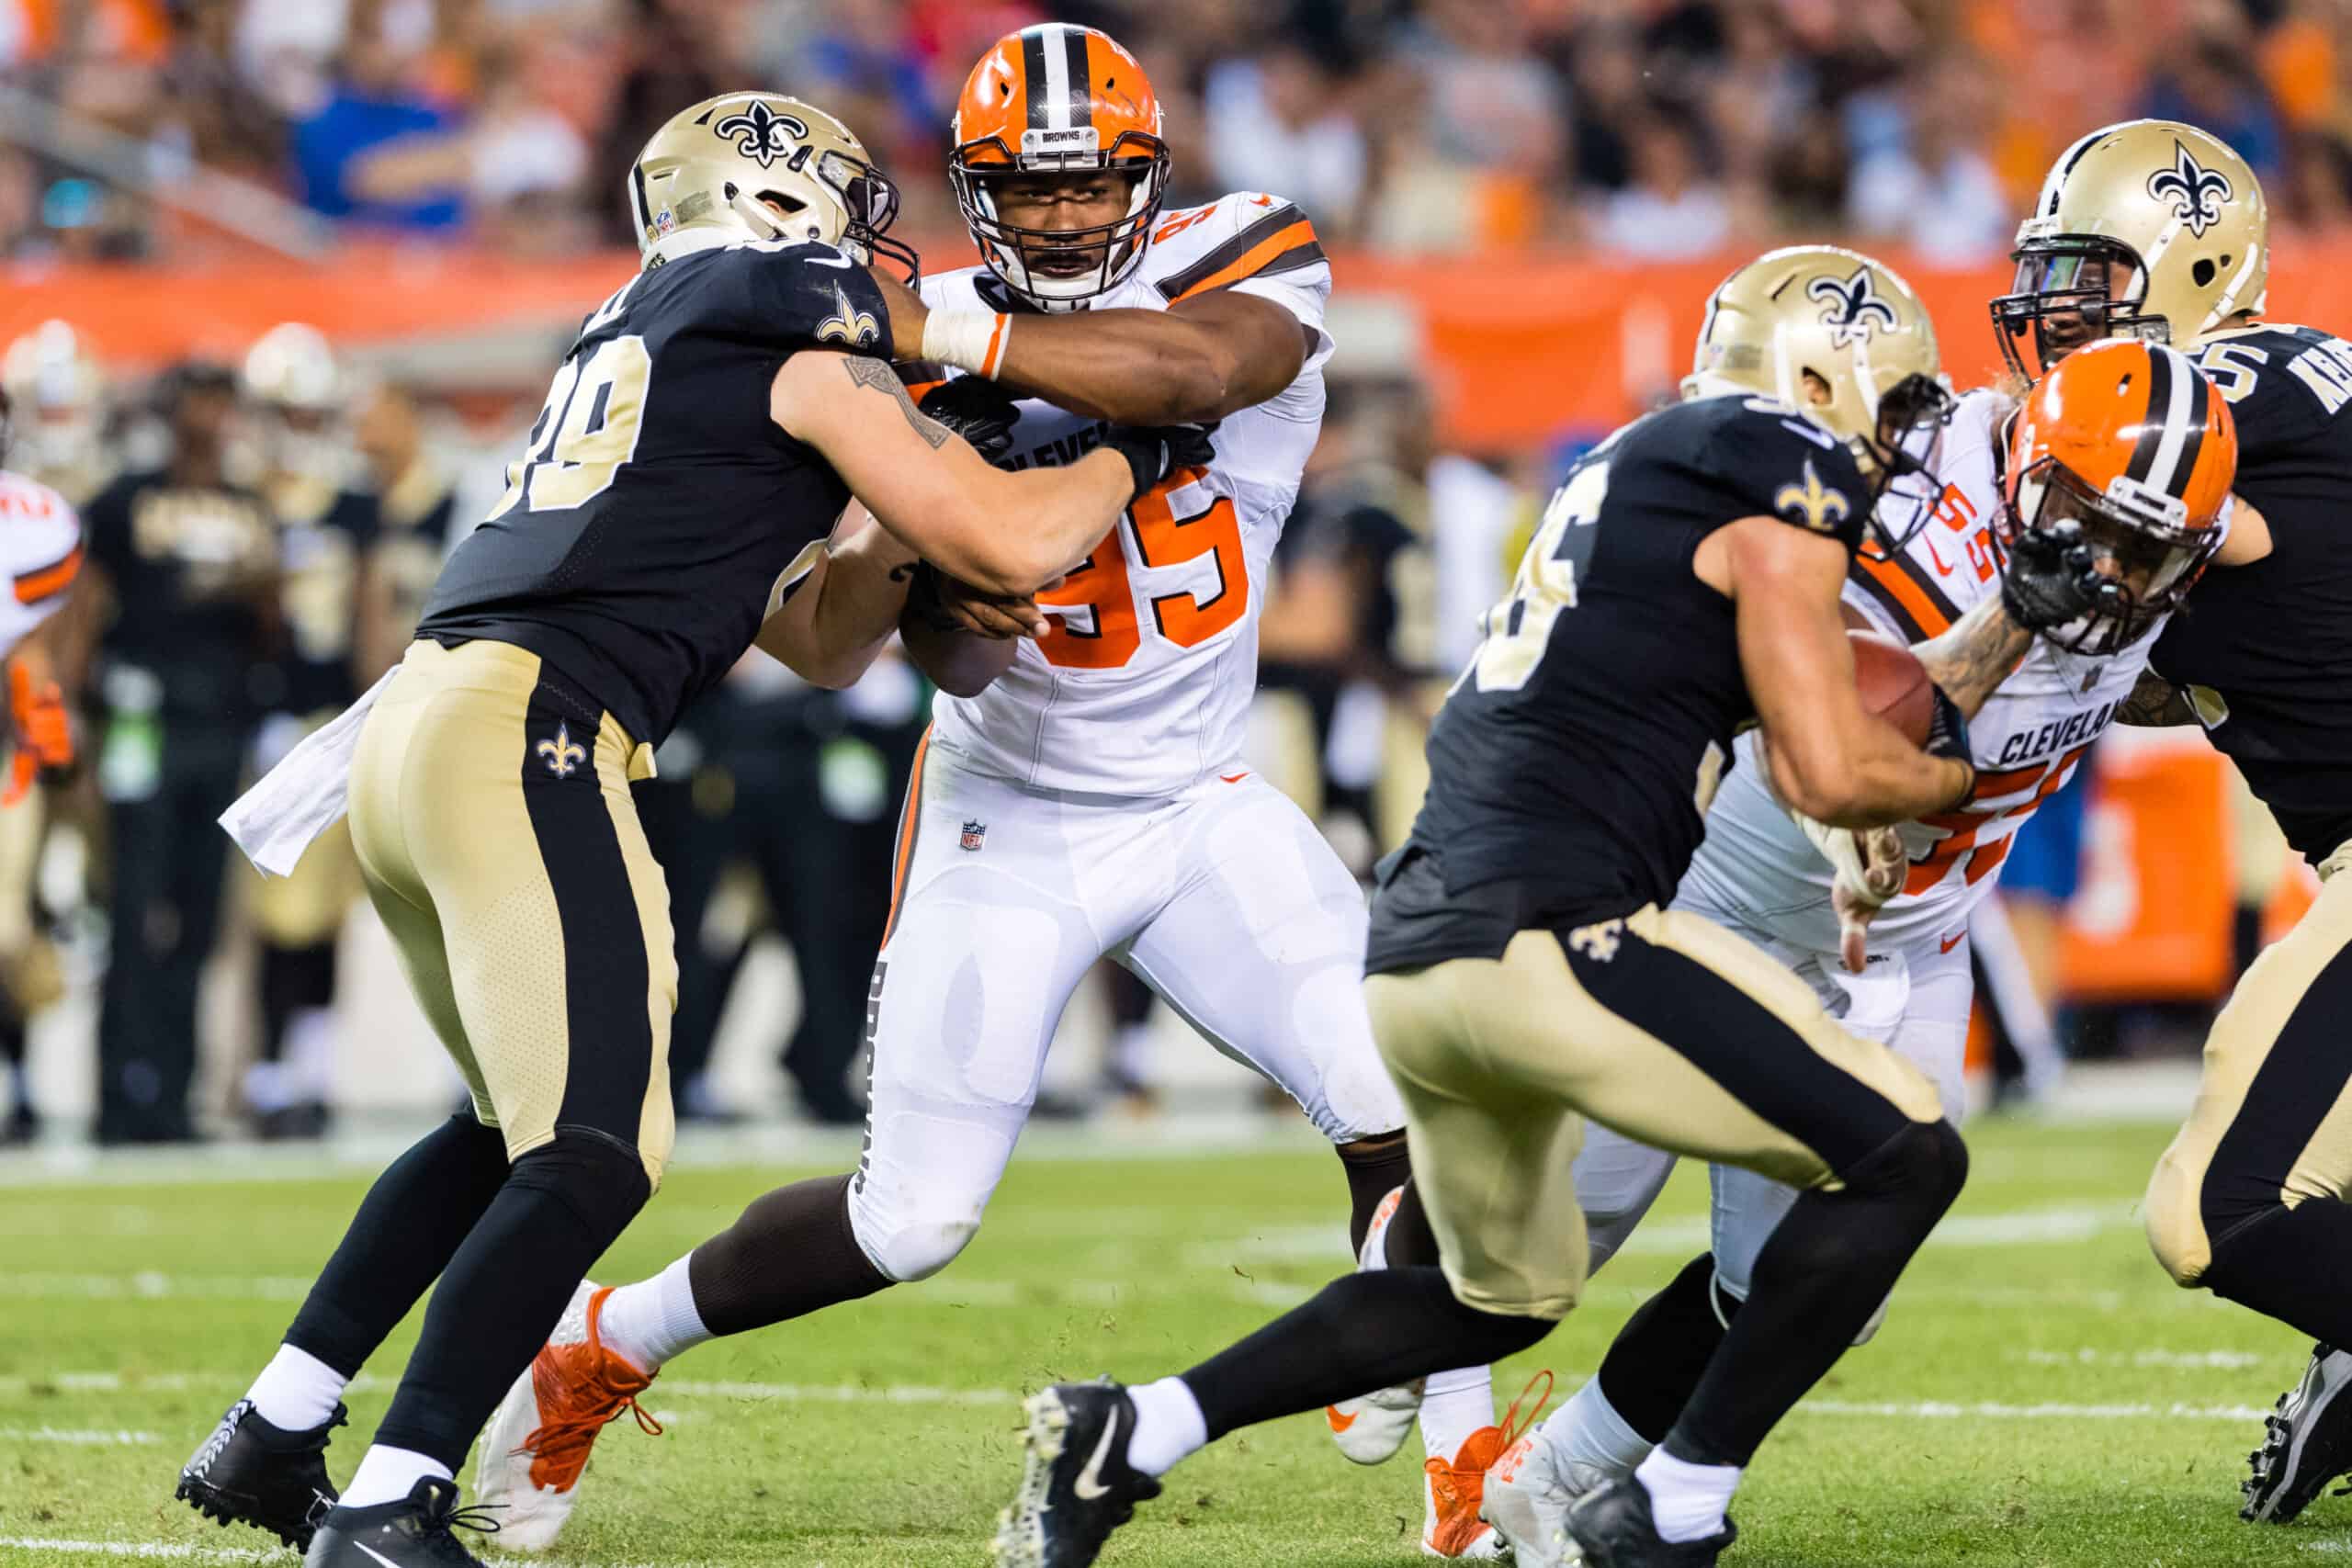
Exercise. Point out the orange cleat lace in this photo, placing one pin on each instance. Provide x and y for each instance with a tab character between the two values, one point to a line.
1458	1489
581	1389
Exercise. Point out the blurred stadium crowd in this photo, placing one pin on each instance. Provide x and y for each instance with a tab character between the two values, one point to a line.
1654	128
175	131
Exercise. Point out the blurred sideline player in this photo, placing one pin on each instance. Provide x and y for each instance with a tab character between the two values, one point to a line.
1523	975
2127	452
40	551
298	395
2159	229
672	507
1090	802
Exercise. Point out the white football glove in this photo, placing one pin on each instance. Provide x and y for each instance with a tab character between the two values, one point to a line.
1869	865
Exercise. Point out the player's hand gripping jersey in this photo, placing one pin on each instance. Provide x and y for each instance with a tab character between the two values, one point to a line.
40	554
2261	647
657	513
1577	754
1144	685
1757	867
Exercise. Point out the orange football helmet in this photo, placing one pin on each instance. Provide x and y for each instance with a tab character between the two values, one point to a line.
1050	100
2126	445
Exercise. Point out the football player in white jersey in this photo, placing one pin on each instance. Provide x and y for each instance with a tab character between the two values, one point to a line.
1091	801
2124	455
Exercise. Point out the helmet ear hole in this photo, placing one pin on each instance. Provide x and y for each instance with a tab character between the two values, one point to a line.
2203	271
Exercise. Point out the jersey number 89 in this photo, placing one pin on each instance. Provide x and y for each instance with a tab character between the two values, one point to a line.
584	433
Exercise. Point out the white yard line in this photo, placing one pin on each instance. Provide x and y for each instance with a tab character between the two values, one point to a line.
79	1436
2147	1360
1934	1410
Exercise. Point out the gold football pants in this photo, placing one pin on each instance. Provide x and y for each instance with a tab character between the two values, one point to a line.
2273	1120
1661	1025
490	813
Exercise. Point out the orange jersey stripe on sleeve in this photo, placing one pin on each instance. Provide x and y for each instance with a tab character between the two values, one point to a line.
43	583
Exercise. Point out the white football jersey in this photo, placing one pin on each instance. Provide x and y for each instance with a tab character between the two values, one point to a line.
1757	864
1144	685
41	552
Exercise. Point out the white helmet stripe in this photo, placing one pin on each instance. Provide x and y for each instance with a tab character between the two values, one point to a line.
1059	40
2181	392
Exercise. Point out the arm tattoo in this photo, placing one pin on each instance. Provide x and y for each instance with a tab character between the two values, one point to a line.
1975	656
869	372
2155	702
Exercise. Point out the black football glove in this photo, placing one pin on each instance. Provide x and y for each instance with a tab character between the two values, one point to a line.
1948	737
1155	451
978	410
2052	577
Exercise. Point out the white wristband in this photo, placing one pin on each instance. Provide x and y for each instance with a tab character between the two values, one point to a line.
968	339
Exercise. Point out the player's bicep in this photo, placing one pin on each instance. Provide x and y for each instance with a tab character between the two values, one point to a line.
1792	646
1266	344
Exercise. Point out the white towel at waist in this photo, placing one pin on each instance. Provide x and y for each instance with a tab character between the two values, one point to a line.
301	797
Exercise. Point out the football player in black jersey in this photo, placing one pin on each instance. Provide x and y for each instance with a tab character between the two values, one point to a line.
2159	229
672	506
1523	971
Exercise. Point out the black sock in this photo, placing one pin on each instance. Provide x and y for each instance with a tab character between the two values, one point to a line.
291	979
1829	1265
407	1228
562	1204
1661	1353
1411	1242
2291	1264
1359	1332
791	1253
1376	1166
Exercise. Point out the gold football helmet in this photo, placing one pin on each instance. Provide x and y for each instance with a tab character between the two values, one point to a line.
2148	229
1848	321
758	166
298	390
57	394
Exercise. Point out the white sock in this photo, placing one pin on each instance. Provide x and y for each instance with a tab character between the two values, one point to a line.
296	1391
387	1475
1687	1500
1587	1430
652	1320
1453	1406
1168	1426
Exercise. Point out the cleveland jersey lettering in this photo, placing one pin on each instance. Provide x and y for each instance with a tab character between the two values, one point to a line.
1577	754
1143	687
2265	650
656	505
40	555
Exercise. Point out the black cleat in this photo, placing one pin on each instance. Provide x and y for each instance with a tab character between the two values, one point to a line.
418	1531
1075	1485
2306	1442
257	1474
1614	1527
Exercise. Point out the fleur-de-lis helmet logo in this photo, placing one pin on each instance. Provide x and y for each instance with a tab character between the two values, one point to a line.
1852	307
758	132
848	324
2194	191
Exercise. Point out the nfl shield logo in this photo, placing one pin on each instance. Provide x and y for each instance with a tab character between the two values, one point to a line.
975	835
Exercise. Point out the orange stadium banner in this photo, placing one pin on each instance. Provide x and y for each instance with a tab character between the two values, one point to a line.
1521	349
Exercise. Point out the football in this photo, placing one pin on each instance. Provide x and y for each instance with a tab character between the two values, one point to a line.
1893	683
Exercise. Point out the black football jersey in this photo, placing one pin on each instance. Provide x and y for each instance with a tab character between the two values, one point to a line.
192	567
656	504
2265	650
325	538
1571	765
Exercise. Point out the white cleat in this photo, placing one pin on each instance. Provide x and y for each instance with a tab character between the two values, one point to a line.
1371	1429
1529	1492
538	1442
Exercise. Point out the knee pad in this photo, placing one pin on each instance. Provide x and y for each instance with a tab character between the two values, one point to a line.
1926	1165
911	1238
2176	1225
599	1178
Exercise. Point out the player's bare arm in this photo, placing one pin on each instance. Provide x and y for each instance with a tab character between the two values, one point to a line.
1203	359
1830	760
837	615
1006	533
1974	655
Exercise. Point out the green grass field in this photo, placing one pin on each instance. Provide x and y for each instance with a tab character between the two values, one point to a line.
2042	1395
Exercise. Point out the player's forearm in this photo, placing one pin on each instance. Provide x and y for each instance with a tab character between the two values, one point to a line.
830	631
1017	532
1128	367
1858	772
1970	661
2155	703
